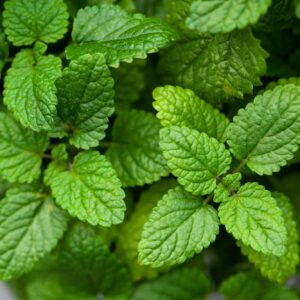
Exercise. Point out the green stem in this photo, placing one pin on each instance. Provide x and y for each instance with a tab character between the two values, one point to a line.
240	166
208	199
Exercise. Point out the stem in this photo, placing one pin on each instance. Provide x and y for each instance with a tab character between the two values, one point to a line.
47	156
106	144
208	198
240	166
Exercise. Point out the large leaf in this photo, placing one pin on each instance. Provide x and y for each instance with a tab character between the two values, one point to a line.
90	190
134	151
181	107
29	88
279	268
188	283
85	99
117	34
253	217
223	16
20	151
30	226
266	141
195	158
180	226
27	21
217	67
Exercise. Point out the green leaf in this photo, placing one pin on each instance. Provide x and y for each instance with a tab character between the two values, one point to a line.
85	254
59	152
283	81
30	226
265	142
242	286
276	268
130	80
229	184
117	34
181	107
180	226
217	16
135	152
90	190
188	283
131	231
35	20
280	293
253	217
32	97
85	99
195	158
218	68
20	151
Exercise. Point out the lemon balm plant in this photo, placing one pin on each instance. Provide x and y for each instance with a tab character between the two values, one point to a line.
149	149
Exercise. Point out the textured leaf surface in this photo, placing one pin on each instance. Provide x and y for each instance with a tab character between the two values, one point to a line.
32	97
253	217
188	283
279	268
218	68
195	158
180	226
20	151
228	185
217	16
117	34
91	190
30	226
267	141
85	99
85	254
131	231
135	152
181	107
27	21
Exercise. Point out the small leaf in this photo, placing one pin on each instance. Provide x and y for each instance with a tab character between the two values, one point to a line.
218	68
135	151
217	16
181	107
276	268
188	283
195	158
30	226
85	99
20	151
228	185
265	142
117	34
32	97
27	21
90	191
180	226
253	217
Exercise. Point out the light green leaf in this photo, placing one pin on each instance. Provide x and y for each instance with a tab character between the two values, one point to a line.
85	99
218	68
30	226
181	107
131	231
253	217
188	283
90	190
32	97
59	152
276	268
27	21
135	152
85	254
117	34
20	151
217	16
283	81
195	158
180	226
266	141
229	184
